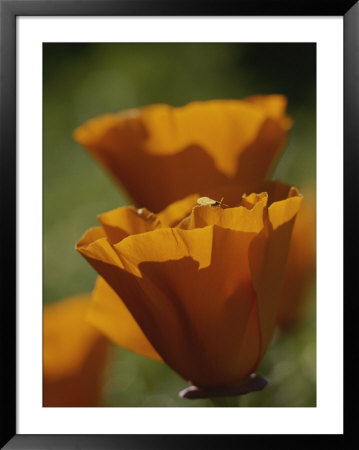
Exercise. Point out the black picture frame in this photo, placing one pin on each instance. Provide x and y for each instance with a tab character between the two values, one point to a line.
9	10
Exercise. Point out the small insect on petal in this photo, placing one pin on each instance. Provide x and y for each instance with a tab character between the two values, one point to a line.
202	201
207	201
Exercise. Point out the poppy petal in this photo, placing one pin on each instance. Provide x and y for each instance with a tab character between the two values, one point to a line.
110	315
168	297
240	218
176	211
124	221
274	105
268	257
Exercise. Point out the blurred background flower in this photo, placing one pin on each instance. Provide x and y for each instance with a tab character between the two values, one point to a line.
300	266
87	80
75	355
161	154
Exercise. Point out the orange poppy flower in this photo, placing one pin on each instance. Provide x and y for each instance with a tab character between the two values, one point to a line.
161	154
300	266
74	355
204	291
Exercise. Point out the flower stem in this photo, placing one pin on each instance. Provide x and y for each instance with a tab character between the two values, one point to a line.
225	401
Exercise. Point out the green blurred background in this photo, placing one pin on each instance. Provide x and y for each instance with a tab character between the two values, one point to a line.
81	81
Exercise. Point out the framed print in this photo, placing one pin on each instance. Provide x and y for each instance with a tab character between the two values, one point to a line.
174	180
